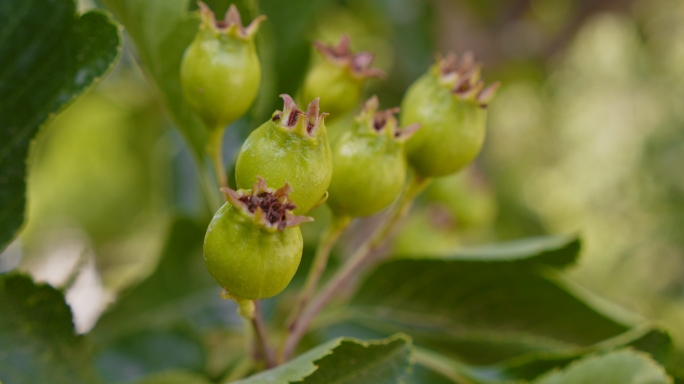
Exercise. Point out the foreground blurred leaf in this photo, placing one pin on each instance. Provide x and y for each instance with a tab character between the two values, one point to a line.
37	339
485	305
162	29
344	360
174	377
50	56
621	367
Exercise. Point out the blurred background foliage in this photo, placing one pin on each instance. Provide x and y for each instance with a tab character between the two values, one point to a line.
586	136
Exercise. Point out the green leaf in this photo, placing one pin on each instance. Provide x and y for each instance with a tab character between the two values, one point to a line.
422	375
485	309
37	339
161	30
174	377
621	367
555	251
531	366
50	56
442	369
653	340
344	360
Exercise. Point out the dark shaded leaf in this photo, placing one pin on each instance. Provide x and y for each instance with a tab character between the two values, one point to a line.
37	339
50	55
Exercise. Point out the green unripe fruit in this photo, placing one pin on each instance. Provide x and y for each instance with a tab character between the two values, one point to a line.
220	71
338	77
291	147
450	104
369	163
253	244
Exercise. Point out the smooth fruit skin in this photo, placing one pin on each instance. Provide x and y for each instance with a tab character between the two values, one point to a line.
249	261
338	89
452	132
279	156
220	76
370	171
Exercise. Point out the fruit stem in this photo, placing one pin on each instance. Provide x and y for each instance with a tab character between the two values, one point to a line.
215	151
328	239
261	337
251	312
211	193
414	186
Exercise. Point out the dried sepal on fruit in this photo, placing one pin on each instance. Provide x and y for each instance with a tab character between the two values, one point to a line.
305	124
290	147
369	163
253	244
359	64
338	77
220	71
463	77
231	23
450	102
266	207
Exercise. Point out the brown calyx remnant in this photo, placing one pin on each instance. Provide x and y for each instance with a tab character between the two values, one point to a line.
341	54
385	121
291	117
464	77
230	21
269	207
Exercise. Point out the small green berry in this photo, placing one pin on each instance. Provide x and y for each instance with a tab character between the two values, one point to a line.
291	147
220	71
450	103
253	244
338	77
369	163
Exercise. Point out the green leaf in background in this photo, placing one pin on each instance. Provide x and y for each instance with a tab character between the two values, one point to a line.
528	367
50	56
173	377
161	30
150	352
37	339
344	360
179	292
159	324
651	339
484	307
555	251
621	367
